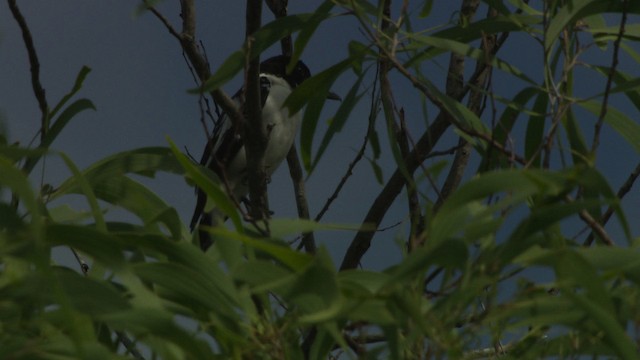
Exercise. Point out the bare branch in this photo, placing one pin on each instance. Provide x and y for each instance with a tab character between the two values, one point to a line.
34	63
594	225
624	189
162	19
255	134
454	177
454	86
373	110
279	9
295	171
190	47
612	71
415	212
361	242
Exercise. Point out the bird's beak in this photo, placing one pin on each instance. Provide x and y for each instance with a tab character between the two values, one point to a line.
333	96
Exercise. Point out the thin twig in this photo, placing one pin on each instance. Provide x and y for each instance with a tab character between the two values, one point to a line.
199	62
255	134
624	189
123	338
295	171
38	90
83	264
34	63
279	10
415	212
612	72
593	224
373	110
162	19
361	242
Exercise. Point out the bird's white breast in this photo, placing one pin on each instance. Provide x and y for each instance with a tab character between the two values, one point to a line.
281	128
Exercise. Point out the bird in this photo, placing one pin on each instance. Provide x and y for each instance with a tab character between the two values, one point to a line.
224	152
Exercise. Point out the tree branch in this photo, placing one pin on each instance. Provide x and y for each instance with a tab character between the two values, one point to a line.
454	86
461	158
362	241
624	189
415	212
295	171
373	110
162	19
279	9
612	72
34	63
199	62
255	135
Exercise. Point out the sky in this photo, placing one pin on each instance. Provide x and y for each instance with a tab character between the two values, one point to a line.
139	82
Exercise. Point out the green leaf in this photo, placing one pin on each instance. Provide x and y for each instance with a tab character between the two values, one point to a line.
338	121
426	8
502	130
476	30
135	198
16	180
574	271
263	275
461	114
186	255
614	334
535	131
610	33
321	13
612	259
266	36
90	296
229	68
76	87
189	287
370	281
59	124
594	22
450	254
578	9
451	45
377	171
15	153
313	93
624	83
85	188
579	149
66	214
374	311
281	227
295	260
619	121
213	190
105	179
101	246
499	6
64	118
464	207
159	323
316	293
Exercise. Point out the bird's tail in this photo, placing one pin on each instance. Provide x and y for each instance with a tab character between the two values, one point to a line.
208	220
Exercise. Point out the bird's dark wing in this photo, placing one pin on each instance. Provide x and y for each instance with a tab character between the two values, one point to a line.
265	87
224	144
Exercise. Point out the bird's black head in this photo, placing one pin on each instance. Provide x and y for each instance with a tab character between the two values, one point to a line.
277	65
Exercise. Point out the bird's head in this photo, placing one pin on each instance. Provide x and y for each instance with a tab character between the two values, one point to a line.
277	66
